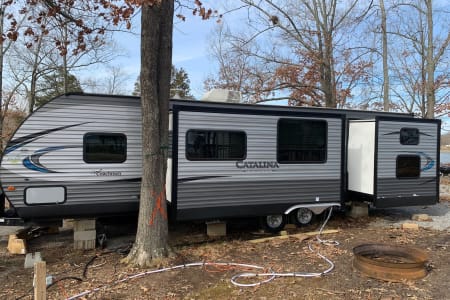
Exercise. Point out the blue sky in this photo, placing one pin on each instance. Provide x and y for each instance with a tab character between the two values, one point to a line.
190	52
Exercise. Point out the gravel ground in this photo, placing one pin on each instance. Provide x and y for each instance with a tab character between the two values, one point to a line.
395	217
285	255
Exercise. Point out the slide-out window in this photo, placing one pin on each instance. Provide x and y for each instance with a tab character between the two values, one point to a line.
216	145
104	147
409	136
408	166
302	141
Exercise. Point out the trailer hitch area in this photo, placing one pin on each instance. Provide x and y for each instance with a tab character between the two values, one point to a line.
391	262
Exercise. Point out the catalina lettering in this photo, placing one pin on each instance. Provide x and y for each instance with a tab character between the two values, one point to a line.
257	165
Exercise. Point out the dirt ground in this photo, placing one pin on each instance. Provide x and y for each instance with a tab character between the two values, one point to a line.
190	244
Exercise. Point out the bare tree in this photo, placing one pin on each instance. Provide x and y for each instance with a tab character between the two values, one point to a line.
6	97
113	81
238	69
156	62
299	63
420	63
34	52
384	55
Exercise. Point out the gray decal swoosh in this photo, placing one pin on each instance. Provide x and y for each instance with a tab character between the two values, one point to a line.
186	179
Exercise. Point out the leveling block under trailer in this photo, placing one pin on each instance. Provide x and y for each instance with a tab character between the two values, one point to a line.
79	156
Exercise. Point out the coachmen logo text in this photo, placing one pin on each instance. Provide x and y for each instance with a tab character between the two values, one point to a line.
257	165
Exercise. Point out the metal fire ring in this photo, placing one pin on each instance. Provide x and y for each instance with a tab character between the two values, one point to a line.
389	262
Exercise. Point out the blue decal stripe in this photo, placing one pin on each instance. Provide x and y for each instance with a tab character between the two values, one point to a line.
32	161
430	161
29	165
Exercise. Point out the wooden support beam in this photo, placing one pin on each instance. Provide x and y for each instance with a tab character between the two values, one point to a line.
40	286
301	236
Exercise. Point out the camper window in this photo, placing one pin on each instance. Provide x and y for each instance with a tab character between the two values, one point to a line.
104	147
302	141
409	136
216	145
408	166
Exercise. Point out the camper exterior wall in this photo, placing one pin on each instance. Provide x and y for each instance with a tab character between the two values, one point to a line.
393	190
45	161
47	150
259	184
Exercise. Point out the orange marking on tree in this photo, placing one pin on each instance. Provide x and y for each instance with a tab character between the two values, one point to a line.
159	207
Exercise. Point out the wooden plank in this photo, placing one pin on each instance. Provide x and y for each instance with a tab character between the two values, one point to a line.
40	287
301	236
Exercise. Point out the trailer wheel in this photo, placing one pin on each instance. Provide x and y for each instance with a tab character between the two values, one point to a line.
303	216
274	223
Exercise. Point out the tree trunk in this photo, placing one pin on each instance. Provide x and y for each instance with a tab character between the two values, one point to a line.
385	57
430	62
32	94
329	86
1	80
156	56
66	84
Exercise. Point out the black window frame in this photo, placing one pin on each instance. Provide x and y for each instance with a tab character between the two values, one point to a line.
188	157
405	156
85	155
403	142
324	161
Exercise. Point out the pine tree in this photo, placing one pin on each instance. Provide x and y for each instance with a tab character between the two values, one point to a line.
179	84
52	85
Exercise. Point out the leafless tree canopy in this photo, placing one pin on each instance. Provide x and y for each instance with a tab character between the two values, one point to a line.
385	54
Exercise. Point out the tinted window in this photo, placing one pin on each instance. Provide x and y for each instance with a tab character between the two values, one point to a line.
215	145
408	166
409	136
302	141
105	148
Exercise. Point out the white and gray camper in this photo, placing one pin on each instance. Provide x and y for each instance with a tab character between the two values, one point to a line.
80	156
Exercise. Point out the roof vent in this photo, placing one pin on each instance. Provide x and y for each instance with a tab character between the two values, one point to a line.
222	95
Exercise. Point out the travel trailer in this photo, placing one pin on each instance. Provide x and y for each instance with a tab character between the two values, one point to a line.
79	155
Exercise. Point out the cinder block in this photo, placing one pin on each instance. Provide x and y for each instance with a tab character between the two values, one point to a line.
68	224
216	228
84	244
444	189
32	258
84	225
84	235
16	245
359	209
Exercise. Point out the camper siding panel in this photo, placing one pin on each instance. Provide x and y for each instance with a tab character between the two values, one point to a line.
245	193
65	160
389	147
222	183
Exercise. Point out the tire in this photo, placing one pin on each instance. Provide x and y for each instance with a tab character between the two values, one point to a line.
303	216
273	223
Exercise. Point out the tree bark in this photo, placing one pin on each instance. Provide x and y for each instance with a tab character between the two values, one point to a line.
156	56
431	100
385	57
